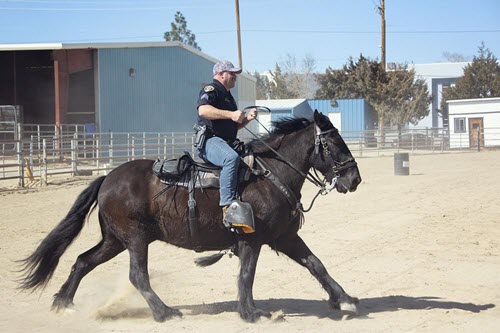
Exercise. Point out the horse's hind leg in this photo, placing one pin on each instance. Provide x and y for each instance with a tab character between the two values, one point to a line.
140	279
296	249
107	248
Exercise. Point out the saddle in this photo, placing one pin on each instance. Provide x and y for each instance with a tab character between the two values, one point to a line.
184	170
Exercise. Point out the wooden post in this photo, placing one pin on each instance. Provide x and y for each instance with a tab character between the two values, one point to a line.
240	63
478	139
382	14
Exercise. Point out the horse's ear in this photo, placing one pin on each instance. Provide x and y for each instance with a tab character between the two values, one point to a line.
317	116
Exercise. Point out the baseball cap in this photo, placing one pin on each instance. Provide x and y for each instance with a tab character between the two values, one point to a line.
226	66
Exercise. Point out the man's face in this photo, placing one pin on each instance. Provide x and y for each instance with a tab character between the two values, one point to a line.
228	79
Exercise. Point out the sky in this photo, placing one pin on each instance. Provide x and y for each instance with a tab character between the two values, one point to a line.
328	31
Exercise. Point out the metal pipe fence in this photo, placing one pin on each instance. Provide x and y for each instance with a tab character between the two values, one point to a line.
40	155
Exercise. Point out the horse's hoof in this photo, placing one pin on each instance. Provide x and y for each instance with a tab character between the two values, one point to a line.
347	305
60	304
169	313
252	315
348	308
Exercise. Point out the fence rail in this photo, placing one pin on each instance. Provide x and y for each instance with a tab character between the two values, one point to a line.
40	154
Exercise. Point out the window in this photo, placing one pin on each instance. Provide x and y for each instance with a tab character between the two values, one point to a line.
459	125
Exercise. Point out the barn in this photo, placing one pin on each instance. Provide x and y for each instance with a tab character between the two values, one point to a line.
474	122
113	87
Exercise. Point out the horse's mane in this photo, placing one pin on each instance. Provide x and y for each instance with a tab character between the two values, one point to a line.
280	128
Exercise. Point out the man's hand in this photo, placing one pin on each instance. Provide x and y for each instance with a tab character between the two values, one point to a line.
252	114
237	116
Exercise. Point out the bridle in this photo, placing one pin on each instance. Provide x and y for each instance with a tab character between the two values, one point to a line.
320	146
336	166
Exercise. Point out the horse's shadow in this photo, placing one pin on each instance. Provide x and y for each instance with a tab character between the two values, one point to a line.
320	309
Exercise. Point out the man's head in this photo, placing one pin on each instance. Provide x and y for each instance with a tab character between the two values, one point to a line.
225	72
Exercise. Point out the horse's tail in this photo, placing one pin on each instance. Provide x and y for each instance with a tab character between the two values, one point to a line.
213	258
209	260
41	264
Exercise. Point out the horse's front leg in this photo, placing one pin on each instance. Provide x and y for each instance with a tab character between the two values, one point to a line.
248	253
294	247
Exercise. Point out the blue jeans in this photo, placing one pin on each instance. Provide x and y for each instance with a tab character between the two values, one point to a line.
219	153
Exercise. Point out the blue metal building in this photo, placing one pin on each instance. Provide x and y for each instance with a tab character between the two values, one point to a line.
155	87
117	87
348	115
282	108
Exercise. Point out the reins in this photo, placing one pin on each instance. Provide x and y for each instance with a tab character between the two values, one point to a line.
309	176
324	189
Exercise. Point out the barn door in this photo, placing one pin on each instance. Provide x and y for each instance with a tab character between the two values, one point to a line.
476	132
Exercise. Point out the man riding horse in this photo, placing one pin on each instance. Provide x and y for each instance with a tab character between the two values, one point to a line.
218	121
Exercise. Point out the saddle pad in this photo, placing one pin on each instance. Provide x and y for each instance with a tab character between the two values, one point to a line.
203	180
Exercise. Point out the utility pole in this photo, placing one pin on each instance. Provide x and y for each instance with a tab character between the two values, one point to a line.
240	64
381	118
382	15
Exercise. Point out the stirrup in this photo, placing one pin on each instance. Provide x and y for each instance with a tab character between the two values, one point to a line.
238	217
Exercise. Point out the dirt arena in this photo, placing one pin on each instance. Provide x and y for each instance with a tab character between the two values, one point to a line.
420	251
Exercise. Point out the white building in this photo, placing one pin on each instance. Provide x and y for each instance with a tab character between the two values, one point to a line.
474	121
438	76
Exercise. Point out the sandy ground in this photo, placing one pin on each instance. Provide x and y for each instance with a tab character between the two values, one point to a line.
420	251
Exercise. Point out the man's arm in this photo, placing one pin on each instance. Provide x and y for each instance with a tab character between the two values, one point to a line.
210	112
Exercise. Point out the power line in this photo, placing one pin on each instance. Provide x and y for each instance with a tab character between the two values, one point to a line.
372	32
280	31
82	2
86	9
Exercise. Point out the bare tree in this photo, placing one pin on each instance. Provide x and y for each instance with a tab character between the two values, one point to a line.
300	80
289	79
456	57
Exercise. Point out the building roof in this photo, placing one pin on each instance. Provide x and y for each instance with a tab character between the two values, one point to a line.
72	46
439	69
280	104
69	46
117	45
473	100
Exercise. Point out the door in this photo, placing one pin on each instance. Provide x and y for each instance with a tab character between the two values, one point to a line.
476	132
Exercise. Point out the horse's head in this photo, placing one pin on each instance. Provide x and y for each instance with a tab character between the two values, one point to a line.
332	157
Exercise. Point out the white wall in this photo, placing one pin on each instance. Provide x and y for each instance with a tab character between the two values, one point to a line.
336	119
265	119
486	108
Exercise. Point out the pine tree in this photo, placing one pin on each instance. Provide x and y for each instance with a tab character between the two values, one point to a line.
180	32
395	95
278	88
262	86
481	79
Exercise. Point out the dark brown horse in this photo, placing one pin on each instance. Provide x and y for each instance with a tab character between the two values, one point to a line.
131	216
